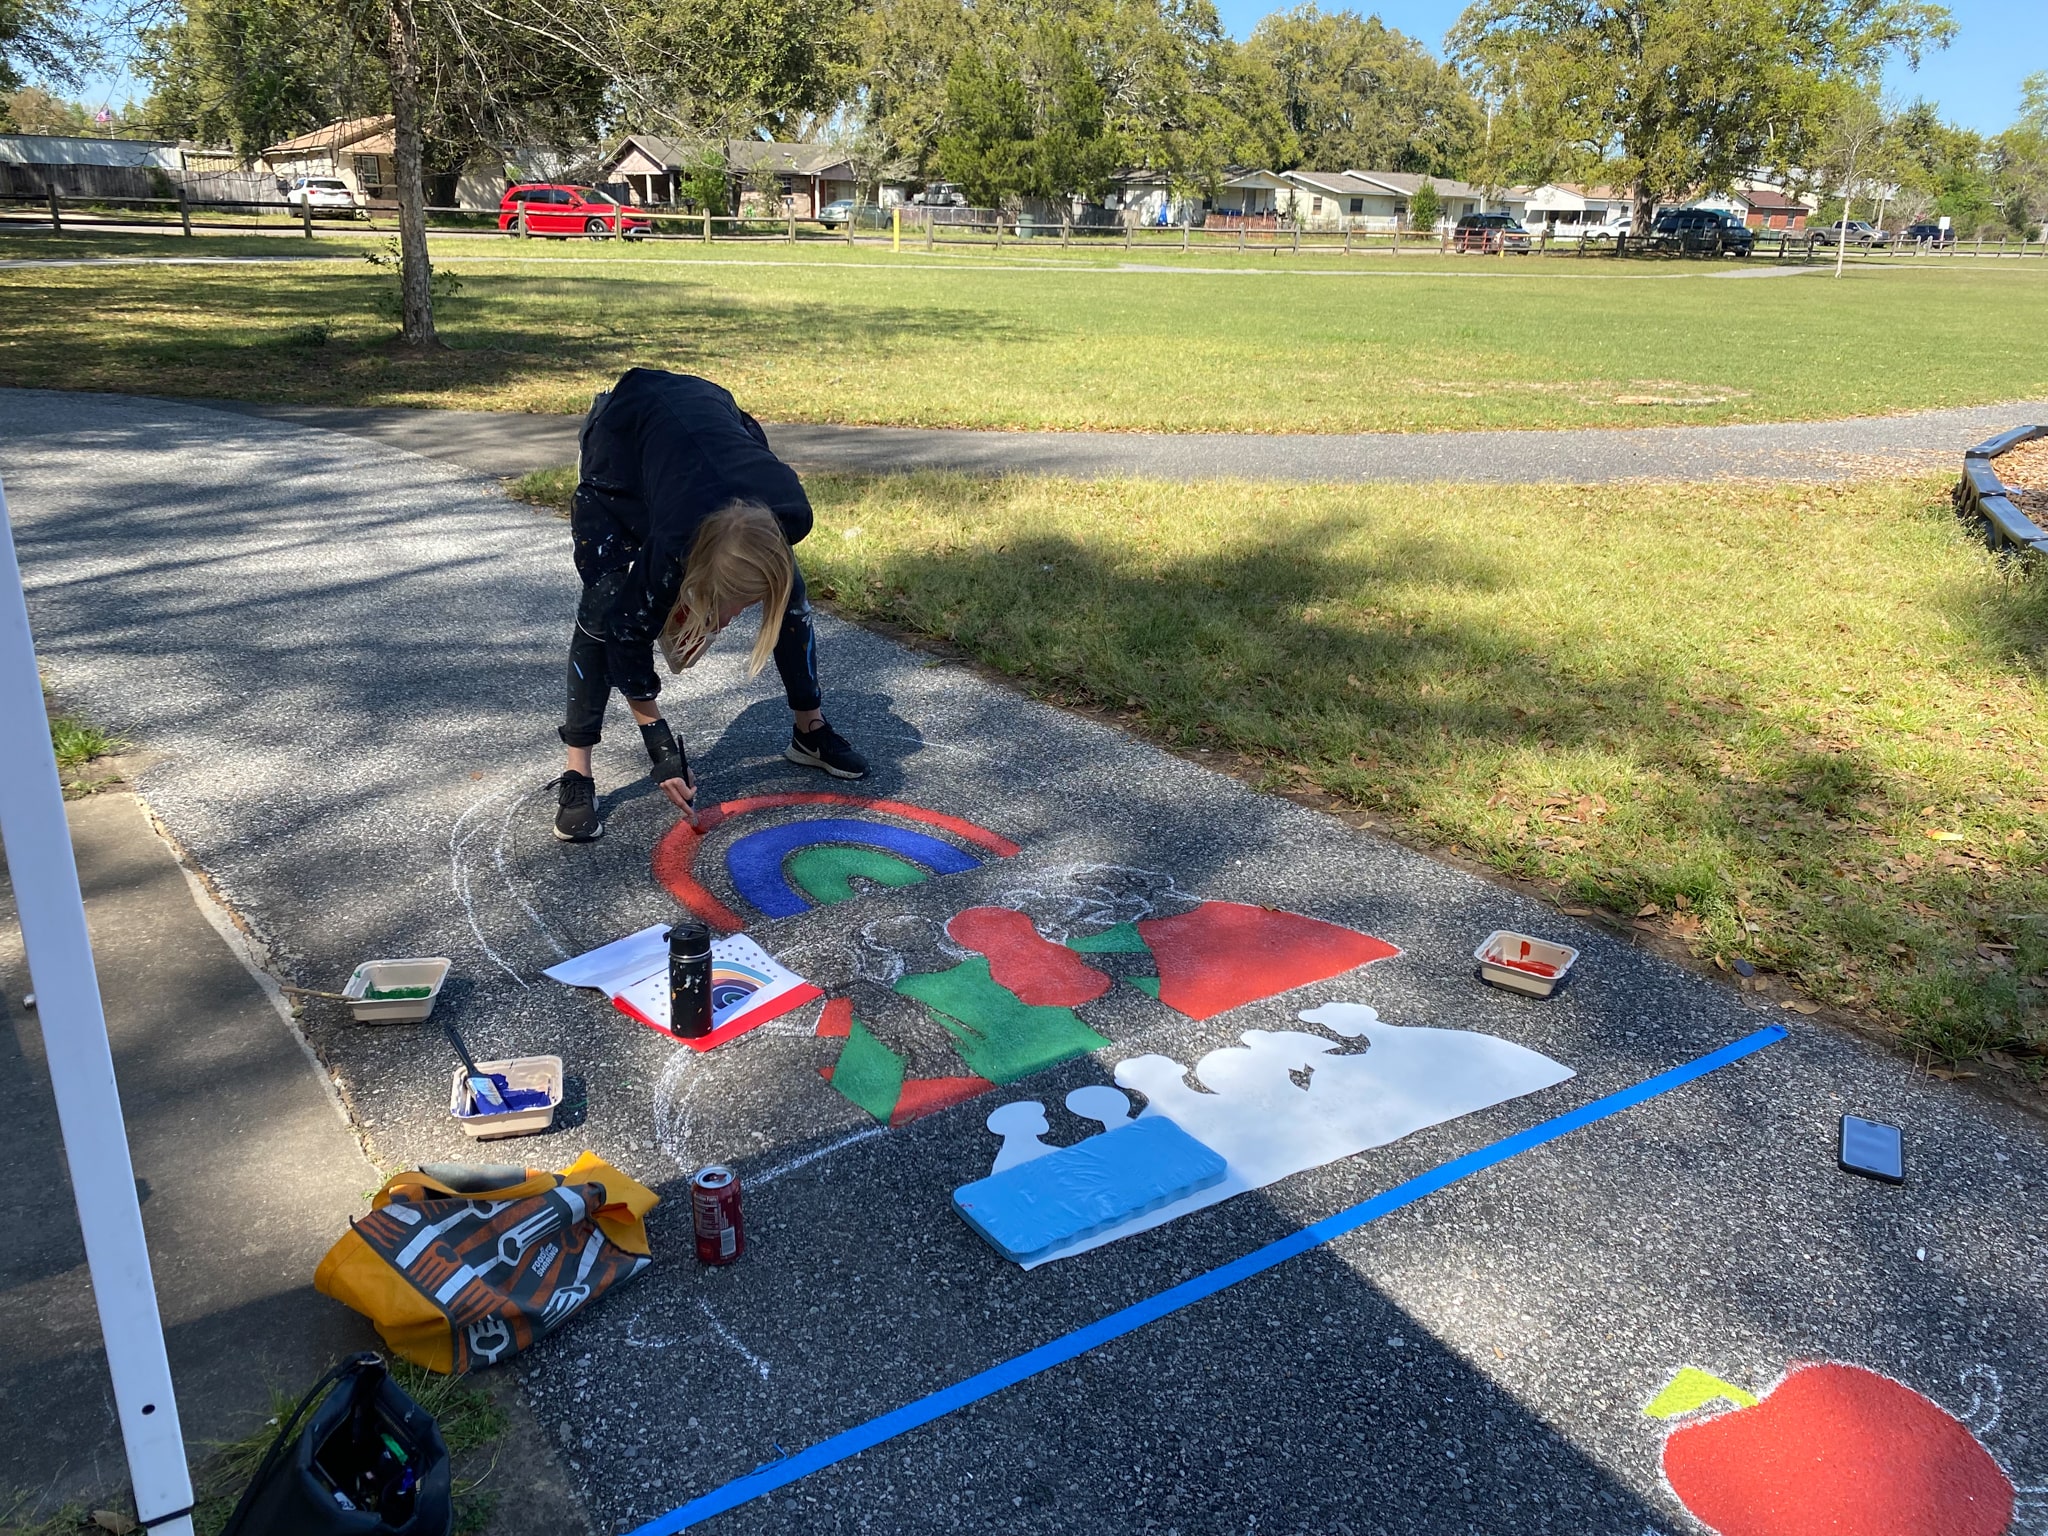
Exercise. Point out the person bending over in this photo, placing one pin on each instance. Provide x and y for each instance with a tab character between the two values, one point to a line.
682	519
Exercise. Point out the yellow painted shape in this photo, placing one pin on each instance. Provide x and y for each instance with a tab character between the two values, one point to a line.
1693	1388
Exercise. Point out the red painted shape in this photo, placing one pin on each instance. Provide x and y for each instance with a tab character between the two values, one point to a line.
1036	969
788	1002
836	1022
1834	1449
1225	953
675	856
929	1095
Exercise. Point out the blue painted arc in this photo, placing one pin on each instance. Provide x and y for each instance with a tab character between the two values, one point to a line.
755	861
887	1426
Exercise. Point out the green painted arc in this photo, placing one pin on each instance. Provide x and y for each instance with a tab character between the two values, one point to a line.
999	1036
825	872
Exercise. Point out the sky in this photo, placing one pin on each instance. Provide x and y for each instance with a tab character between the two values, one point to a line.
1975	81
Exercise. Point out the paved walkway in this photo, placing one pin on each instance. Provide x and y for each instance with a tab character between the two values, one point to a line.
350	659
246	1166
512	444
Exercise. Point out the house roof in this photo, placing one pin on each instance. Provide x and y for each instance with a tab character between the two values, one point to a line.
788	159
1588	194
1405	183
63	149
335	137
1770	200
1401	184
741	155
1238	177
1336	183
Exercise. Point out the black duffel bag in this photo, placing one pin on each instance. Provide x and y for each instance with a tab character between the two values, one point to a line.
368	1461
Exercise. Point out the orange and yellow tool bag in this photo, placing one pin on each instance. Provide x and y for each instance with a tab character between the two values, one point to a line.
461	1266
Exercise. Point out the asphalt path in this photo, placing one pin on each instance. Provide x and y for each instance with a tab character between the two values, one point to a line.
349	659
508	443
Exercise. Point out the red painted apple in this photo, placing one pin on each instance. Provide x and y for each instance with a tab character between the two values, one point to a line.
1835	1450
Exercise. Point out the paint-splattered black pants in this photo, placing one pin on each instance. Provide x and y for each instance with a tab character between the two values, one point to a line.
590	685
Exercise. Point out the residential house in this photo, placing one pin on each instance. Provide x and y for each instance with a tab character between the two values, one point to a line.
1763	206
1148	198
1379	200
359	150
808	176
1252	198
1569	208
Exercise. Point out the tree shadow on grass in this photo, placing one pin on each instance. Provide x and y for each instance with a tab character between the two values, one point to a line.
314	335
1757	830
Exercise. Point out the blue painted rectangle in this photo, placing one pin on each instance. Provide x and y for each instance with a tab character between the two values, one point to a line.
1084	1188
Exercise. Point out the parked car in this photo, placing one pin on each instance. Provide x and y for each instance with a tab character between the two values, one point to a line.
1853	231
323	195
1609	230
1702	229
1489	232
1928	234
536	209
864	215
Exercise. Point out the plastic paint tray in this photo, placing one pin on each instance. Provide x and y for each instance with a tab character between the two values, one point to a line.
386	975
543	1072
1523	963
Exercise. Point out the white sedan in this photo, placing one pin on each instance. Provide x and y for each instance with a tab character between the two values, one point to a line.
322	194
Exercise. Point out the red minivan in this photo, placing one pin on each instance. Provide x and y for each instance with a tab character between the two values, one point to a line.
553	209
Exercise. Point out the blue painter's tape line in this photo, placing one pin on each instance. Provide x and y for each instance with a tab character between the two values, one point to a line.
755	861
851	1442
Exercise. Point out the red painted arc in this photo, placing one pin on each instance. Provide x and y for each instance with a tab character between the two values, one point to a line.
675	856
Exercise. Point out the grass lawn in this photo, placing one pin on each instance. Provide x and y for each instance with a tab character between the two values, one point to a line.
1804	729
1214	341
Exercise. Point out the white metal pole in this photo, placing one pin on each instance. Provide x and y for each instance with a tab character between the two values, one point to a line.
82	1072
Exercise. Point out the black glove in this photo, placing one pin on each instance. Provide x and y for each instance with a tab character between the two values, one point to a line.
665	752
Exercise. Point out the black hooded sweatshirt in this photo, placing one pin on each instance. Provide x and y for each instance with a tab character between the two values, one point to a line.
662	452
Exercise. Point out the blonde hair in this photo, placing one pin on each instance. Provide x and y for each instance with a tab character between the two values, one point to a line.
740	558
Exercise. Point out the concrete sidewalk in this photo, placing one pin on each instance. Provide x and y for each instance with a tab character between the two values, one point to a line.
510	443
247	1168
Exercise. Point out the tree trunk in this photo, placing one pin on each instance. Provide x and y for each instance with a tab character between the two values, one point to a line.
415	275
1643	213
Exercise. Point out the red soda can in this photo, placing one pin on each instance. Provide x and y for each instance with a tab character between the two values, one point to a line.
715	1212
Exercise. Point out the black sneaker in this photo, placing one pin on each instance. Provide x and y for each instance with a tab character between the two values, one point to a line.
576	818
825	748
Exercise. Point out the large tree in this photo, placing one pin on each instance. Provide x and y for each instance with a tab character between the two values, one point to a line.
1360	95
1175	93
2019	159
1672	96
251	73
48	39
1027	122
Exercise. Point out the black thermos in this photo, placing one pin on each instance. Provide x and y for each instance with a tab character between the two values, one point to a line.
689	980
